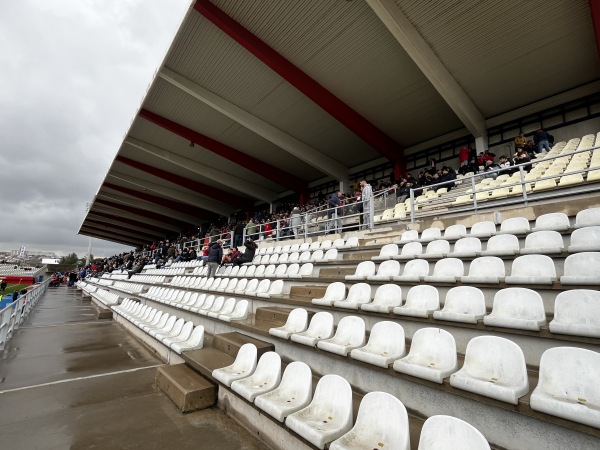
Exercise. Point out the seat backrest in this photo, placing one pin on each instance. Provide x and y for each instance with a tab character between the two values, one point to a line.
294	257
388	250
412	248
352	242
260	270
359	293
449	267
578	306
241	309
515	225
293	269
583	236
434	344
305	246
488	357
546	239
284	258
294	248
306	270
338	243
252	285
383	415
333	393
503	242
218	304
268	367
570	370
274	258
535	266
388	295
331	254
228	306
242	284
389	268
387	335
297	320
436	429
251	271
242	272
280	270
552	221
365	268
304	256
265	259
285	249
271	268
519	303
335	291
455	231
409	235
587	218
431	233
487	266
467	244
245	359
423	296
296	381
317	255
350	330
263	286
321	324
315	246
583	264
465	299
439	246
276	287
416	267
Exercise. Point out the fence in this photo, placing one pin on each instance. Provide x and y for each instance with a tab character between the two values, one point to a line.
16	312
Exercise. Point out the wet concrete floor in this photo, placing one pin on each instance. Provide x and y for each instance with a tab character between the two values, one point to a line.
69	381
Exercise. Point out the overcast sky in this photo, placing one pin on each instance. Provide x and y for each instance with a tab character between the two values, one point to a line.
73	73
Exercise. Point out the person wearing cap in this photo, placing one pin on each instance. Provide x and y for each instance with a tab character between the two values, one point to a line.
215	256
249	252
296	221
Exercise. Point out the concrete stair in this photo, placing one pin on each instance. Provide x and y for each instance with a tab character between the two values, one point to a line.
185	387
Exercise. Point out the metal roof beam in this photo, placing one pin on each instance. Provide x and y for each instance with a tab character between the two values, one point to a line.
120	228
133	224
246	187
225	151
264	129
109	233
190	201
119	202
424	57
107	238
104	208
200	188
335	107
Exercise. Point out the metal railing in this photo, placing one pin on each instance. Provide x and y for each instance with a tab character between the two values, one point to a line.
16	312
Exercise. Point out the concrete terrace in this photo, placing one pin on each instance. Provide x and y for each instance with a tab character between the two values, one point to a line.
70	381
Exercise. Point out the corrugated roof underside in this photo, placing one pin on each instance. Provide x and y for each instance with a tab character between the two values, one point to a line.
493	49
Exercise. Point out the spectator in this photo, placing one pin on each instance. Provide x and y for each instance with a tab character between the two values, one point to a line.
463	156
367	199
505	164
3	285
448	176
230	255
520	141
334	212
522	157
472	166
238	233
296	222
490	169
248	256
541	140
251	229
215	256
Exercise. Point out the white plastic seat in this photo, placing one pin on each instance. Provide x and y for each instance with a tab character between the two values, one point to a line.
410	250
231	285
582	268
577	312
335	292
382	422
349	334
467	247
240	312
487	269
292	271
363	270
261	290
437	429
421	301
519	308
388	251
432	355
386	271
242	367
386	344
408	236
543	242
241	286
265	378
386	298
338	243
317	256
463	304
260	271
264	260
552	221
294	257
483	229
271	269
195	341
295	248
568	385
358	294
330	255
296	322
436	249
515	225
314	246
251	271
587	218
502	245
251	287
494	367
226	309
430	234
585	239
183	335
167	326
275	288
446	270
320	327
414	271
329	414
274	258
284	258
352	242
532	269
292	394
170	332
217	305
454	232
304	247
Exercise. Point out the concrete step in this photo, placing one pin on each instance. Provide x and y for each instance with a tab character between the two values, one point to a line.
103	313
360	256
230	343
337	272
185	388
205	360
308	292
272	314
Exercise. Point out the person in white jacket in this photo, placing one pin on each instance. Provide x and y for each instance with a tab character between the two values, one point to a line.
367	198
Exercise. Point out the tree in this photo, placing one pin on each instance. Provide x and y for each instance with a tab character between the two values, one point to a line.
71	259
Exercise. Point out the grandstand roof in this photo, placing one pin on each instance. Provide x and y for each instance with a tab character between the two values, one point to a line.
255	100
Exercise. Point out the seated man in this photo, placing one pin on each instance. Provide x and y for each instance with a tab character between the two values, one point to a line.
491	169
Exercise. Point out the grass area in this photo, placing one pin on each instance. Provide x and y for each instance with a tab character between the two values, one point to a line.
13	287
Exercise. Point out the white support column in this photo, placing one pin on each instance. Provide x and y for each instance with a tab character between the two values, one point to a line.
264	129
424	57
271	208
344	185
481	143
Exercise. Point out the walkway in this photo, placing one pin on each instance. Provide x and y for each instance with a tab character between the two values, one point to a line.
69	381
